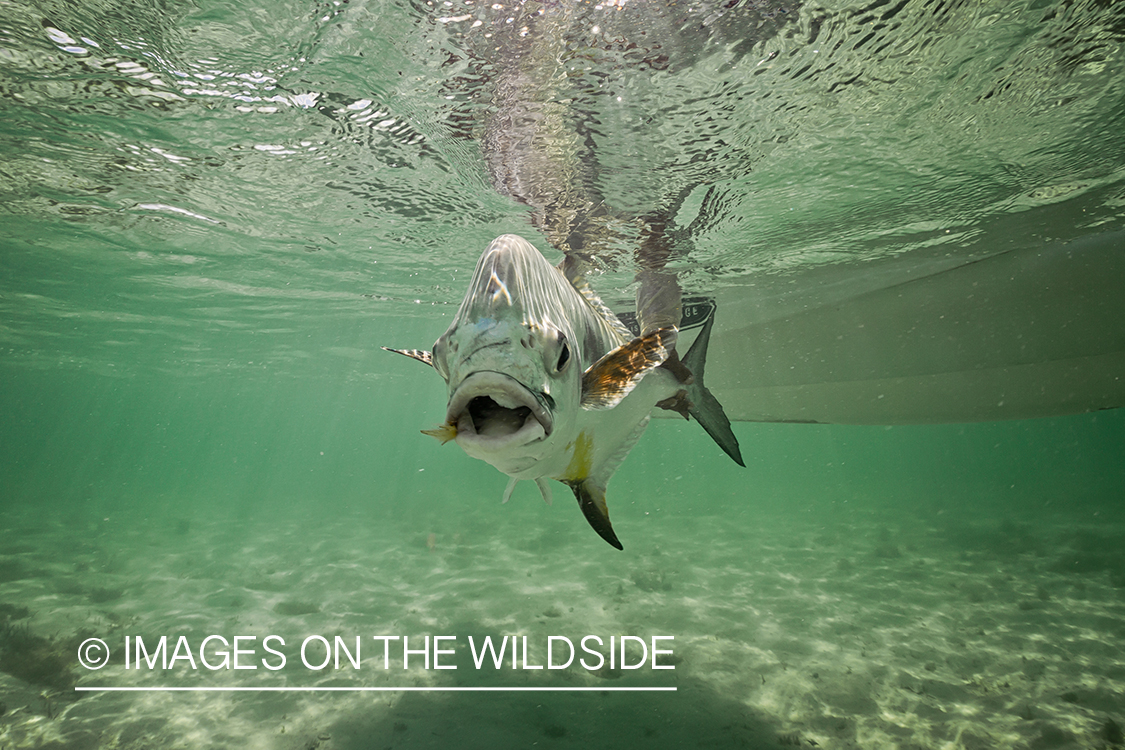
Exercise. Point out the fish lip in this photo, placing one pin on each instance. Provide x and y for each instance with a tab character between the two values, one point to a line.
503	389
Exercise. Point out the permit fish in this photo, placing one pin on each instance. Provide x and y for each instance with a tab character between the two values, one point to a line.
546	383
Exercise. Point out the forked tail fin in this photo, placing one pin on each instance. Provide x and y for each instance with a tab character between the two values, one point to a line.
704	406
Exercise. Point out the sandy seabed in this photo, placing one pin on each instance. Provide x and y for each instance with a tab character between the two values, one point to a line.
839	628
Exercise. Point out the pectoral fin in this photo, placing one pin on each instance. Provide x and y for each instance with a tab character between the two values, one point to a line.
612	377
591	499
426	358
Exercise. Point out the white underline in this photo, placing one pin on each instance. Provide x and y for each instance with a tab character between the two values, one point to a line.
374	689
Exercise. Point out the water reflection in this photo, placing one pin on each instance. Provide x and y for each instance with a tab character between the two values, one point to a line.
769	137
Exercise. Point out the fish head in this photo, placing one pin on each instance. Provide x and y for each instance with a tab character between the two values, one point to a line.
512	359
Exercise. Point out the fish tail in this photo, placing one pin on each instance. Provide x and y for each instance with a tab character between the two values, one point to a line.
702	404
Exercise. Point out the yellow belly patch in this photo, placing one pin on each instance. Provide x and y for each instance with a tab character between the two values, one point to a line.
580	460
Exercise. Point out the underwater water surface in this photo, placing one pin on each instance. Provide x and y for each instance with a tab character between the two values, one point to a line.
213	215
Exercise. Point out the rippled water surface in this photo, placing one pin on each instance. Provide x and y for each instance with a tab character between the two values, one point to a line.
178	174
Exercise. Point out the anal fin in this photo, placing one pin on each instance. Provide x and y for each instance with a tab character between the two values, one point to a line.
591	499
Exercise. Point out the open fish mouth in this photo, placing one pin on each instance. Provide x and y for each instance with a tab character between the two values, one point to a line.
491	406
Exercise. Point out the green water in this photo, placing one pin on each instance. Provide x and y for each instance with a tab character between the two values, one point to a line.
79	443
213	215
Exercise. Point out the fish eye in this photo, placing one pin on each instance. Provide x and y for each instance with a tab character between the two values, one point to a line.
564	353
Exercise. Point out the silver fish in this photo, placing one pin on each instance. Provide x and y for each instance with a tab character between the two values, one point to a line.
546	383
